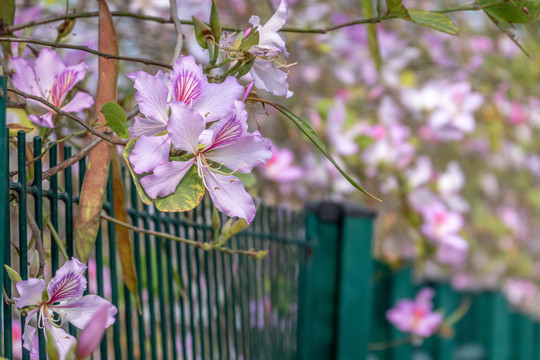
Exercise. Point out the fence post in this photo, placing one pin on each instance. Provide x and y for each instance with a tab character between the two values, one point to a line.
336	302
501	337
5	246
447	299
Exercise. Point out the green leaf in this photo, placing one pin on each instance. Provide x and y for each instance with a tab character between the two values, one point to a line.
244	69
7	11
116	119
436	21
251	39
215	23
513	12
187	195
13	275
316	140
373	41
396	7
52	351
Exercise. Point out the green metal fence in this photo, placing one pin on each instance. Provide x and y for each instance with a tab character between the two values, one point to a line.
195	304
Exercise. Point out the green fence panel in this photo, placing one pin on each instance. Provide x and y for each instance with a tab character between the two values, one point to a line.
500	347
337	301
447	300
402	287
5	246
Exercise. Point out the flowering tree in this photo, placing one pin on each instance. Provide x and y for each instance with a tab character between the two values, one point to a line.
193	122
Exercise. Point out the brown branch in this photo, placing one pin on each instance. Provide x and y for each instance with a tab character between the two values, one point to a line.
85	49
68	115
38	243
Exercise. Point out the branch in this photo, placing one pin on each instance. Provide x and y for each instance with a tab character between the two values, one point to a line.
68	115
204	246
321	30
85	49
178	28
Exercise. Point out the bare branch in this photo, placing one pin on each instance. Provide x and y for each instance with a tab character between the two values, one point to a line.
85	49
38	243
178	28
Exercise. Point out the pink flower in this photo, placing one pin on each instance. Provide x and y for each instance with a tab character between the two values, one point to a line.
63	297
416	317
91	335
280	167
51	80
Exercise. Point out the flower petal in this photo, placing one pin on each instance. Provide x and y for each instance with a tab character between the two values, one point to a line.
149	152
218	100
80	101
65	81
24	78
43	120
165	178
68	283
146	126
188	80
277	20
268	77
47	67
185	126
229	130
229	196
80	311
30	292
62	340
90	337
152	95
29	332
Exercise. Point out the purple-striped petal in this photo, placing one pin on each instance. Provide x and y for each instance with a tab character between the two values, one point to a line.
68	283
185	126
80	101
244	154
218	100
65	81
165	178
80	311
230	129
47	67
30	292
152	95
188	81
149	152
229	196
43	120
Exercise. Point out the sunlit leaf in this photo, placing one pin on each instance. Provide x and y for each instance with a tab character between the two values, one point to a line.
436	21
116	119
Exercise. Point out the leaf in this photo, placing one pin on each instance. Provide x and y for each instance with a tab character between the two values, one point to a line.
13	275
124	241
116	119
513	11
52	351
373	41
188	193
397	8
433	20
202	31
251	39
15	128
215	23
7	12
97	171
187	196
316	140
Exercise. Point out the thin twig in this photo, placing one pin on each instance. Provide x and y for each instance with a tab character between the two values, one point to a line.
68	115
321	30
85	49
38	243
178	29
58	241
133	112
204	246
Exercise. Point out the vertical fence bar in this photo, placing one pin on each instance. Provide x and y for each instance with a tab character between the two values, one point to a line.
23	227
38	207
4	213
447	300
207	280
182	291
170	288
68	185
53	202
500	347
103	347
150	282
161	286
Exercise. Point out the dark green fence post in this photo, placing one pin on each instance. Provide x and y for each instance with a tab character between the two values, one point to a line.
524	337
448	301
5	247
402	287
336	301
501	339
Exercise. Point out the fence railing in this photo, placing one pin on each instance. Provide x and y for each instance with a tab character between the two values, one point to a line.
195	304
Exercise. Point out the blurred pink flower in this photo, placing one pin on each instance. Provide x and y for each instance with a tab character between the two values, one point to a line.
416	316
280	167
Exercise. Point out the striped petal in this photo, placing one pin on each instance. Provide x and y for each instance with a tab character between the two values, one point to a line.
165	178
188	81
68	283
